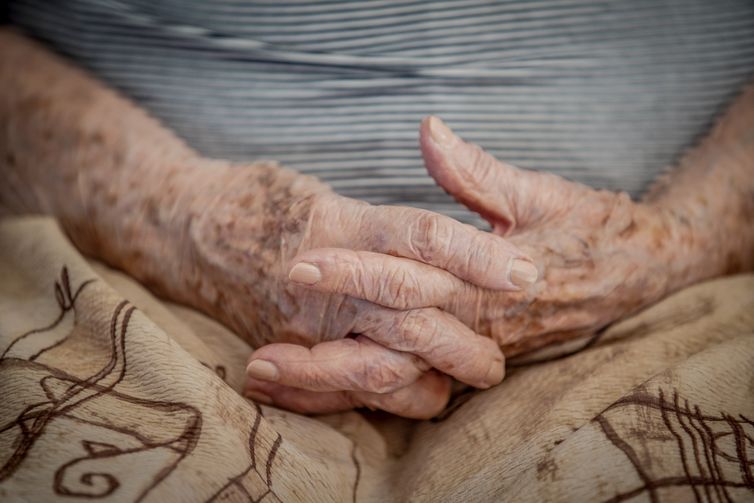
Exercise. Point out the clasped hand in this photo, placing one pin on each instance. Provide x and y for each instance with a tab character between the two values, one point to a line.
380	306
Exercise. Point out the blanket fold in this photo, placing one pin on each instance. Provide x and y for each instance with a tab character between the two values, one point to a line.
110	394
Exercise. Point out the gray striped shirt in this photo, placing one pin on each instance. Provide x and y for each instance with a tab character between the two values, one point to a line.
604	92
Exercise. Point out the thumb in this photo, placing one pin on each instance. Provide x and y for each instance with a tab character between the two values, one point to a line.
507	197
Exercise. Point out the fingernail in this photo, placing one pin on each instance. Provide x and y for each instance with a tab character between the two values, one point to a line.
262	369
439	132
523	273
307	274
259	397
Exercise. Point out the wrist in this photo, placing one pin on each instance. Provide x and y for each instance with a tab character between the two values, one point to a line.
694	249
238	227
248	211
710	196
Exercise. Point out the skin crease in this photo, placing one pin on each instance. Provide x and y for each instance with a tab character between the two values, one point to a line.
217	236
223	237
603	256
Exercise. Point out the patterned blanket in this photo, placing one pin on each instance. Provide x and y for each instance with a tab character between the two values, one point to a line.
109	394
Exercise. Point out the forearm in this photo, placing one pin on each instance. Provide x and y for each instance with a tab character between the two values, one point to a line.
125	189
711	197
76	150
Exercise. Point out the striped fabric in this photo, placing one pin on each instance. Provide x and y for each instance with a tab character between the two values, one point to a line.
604	92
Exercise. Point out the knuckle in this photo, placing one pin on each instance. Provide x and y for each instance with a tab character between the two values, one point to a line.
429	237
382	378
419	330
481	255
312	378
351	277
398	288
358	278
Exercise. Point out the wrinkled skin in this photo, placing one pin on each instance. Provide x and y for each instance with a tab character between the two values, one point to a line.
218	236
231	257
600	255
243	280
418	291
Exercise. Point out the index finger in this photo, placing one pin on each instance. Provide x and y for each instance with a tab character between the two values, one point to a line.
481	258
357	364
423	399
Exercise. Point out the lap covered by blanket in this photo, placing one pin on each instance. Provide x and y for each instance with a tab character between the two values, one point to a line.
109	394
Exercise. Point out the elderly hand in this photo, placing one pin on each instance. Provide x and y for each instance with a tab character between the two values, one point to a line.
601	256
250	283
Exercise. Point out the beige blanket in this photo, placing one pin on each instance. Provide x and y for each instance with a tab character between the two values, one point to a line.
107	393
